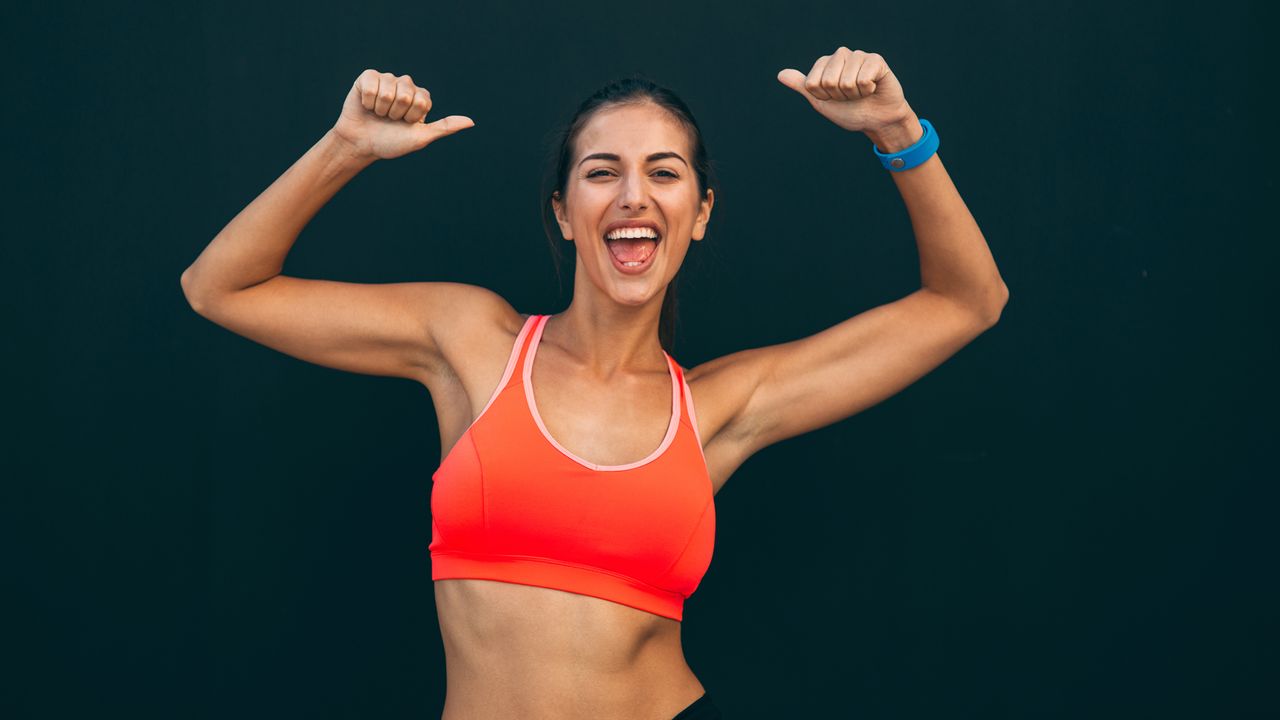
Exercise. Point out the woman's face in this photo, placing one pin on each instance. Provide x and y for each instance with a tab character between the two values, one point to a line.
631	166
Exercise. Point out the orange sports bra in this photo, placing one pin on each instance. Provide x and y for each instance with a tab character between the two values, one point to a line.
509	503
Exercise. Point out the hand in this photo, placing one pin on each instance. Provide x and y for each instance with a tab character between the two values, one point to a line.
853	89
383	117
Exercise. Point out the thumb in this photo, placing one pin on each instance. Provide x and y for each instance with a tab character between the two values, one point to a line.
794	79
430	132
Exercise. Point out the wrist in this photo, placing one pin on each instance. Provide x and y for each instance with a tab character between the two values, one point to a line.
898	135
345	153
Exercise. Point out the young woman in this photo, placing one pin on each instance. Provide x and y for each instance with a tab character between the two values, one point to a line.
572	510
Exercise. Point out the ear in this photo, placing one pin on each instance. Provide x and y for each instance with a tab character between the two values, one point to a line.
704	215
558	207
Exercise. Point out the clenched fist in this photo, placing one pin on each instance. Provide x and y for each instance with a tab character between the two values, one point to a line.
851	88
384	117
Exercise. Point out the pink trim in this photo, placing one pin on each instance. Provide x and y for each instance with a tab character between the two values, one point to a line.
511	366
693	416
533	408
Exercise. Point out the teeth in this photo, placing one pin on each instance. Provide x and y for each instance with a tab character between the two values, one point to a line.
632	233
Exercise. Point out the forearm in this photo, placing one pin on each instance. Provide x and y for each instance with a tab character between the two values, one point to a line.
252	247
954	257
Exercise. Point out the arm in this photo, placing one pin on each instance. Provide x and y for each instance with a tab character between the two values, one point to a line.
764	395
251	249
955	261
379	329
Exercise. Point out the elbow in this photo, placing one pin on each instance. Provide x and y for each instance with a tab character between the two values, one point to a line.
996	306
190	293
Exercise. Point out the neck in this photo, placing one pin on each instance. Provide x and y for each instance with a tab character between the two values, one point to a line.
607	338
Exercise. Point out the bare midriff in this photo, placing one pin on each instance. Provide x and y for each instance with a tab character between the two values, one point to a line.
519	651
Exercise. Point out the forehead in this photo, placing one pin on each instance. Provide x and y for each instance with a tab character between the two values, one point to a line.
633	131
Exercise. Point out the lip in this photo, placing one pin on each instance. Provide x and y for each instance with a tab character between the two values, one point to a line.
638	269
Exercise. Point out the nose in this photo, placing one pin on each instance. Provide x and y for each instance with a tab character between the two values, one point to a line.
633	195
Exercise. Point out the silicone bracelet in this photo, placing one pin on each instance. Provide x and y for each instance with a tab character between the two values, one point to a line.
905	159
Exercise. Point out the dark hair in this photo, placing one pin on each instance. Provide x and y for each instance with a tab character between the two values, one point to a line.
635	89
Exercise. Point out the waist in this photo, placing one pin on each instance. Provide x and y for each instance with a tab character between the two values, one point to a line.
518	650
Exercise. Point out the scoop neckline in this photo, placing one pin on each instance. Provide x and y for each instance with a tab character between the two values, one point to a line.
527	374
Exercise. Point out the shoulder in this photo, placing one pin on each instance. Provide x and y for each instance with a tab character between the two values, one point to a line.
473	322
722	389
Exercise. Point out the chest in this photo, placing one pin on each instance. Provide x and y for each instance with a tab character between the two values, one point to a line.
614	422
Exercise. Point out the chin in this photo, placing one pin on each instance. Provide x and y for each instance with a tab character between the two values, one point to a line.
633	300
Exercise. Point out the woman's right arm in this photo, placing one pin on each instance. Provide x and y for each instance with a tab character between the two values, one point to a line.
391	329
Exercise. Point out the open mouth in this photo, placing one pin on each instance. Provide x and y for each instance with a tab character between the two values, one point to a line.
634	250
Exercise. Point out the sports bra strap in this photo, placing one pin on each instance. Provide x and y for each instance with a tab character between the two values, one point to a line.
510	374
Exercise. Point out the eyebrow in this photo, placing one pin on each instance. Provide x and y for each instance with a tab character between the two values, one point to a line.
616	158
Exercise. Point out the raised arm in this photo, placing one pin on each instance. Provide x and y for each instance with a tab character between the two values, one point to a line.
763	395
388	329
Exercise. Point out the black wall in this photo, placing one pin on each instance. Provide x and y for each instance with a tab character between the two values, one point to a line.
1072	517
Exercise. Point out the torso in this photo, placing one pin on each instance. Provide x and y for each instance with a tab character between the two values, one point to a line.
522	651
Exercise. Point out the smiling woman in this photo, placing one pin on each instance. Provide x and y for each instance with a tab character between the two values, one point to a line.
579	517
573	510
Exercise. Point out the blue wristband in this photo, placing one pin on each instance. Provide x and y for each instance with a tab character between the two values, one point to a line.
922	150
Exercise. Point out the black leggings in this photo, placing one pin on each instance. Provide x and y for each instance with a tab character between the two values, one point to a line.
704	708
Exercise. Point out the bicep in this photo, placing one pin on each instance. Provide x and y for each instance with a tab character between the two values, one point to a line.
388	329
802	385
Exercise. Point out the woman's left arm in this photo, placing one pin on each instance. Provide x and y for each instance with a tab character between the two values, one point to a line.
955	261
784	390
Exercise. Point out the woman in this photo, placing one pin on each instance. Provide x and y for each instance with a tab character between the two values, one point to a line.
572	510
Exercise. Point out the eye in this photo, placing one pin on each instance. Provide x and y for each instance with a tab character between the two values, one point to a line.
598	171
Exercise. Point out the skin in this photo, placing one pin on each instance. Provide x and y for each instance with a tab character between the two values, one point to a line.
600	378
612	321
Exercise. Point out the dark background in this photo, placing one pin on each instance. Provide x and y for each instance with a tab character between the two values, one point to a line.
1072	517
